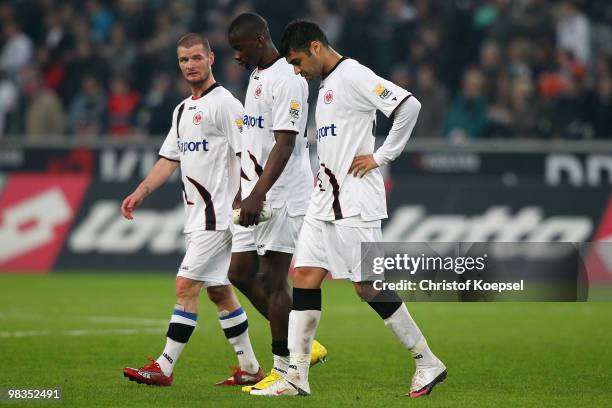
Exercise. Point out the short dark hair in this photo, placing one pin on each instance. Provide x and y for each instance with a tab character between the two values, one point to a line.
191	39
299	34
250	23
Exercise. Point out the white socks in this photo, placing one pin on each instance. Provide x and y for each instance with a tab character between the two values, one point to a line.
235	326
281	363
171	353
409	334
302	327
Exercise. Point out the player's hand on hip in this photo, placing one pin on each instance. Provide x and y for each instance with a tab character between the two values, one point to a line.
362	165
131	203
250	209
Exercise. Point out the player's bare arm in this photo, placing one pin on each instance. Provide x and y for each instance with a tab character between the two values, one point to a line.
279	156
158	175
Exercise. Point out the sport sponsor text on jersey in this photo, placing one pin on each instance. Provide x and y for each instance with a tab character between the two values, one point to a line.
327	130
253	121
185	147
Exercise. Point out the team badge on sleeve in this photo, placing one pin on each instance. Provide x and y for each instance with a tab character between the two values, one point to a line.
294	109
382	92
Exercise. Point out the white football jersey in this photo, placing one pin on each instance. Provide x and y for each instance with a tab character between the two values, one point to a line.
347	102
205	139
277	99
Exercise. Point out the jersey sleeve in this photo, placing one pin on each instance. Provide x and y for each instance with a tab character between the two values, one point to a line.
290	96
169	149
230	117
369	91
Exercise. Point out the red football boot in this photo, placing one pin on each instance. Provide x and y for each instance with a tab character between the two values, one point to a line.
150	374
240	377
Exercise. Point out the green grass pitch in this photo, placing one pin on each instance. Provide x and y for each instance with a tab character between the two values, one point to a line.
78	332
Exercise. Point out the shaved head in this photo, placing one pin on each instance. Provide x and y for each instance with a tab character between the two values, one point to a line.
249	25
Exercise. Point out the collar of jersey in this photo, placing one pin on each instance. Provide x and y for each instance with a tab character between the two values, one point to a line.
210	88
269	64
334	67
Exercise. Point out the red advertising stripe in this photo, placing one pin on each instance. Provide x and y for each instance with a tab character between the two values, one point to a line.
36	212
599	259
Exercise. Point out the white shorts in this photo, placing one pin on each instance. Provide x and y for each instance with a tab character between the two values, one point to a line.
278	234
207	257
243	239
337	248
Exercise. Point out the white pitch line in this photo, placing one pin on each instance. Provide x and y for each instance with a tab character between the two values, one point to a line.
100	332
28	333
80	332
128	320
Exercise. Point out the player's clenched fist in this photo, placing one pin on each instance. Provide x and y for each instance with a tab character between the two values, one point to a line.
362	164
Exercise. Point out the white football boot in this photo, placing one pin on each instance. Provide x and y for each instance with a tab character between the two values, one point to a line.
425	378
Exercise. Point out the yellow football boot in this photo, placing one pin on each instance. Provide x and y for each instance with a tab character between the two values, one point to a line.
318	353
267	381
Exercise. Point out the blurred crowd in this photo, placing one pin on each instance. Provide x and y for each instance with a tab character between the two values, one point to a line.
481	68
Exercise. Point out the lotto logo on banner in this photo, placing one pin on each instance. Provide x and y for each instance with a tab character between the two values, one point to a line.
36	212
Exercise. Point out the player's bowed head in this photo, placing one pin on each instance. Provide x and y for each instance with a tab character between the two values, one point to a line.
305	46
249	37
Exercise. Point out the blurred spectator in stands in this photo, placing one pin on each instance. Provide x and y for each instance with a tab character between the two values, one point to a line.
536	21
494	20
598	109
182	15
434	102
573	31
58	38
519	57
136	16
515	113
490	65
86	61
562	46
323	13
121	107
274	11
564	112
100	18
426	47
566	73
181	88
233	78
396	16
86	116
9	99
499	113
467	116
45	115
157	106
120	53
356	39
159	51
17	50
